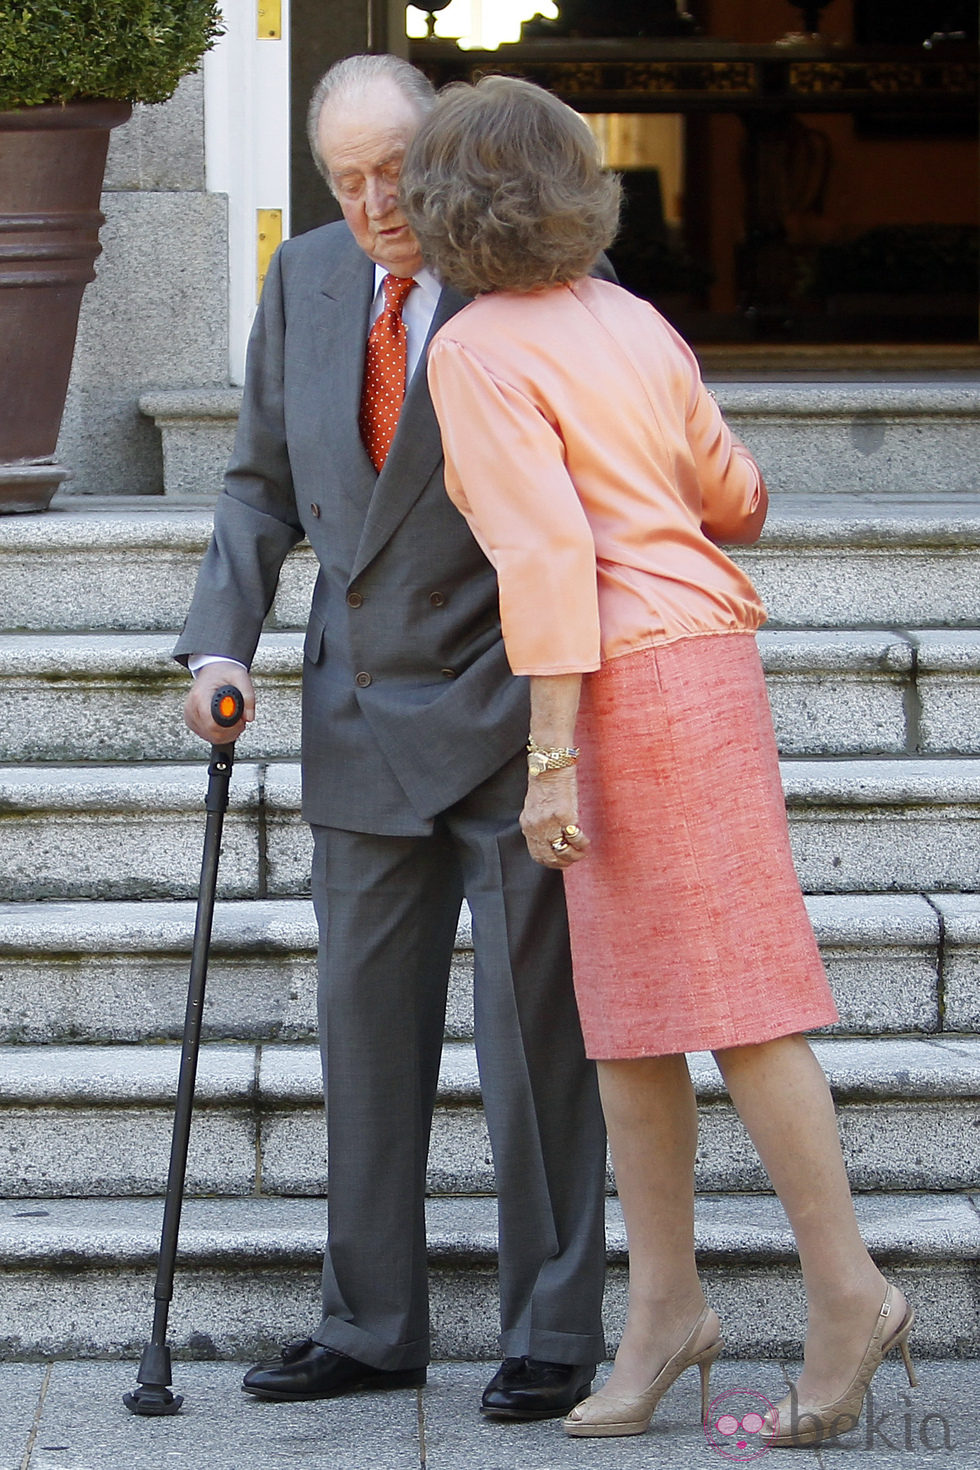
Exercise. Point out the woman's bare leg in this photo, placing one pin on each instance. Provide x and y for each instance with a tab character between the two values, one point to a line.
782	1097
651	1115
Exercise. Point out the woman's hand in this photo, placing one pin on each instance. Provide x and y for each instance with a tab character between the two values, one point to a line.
549	820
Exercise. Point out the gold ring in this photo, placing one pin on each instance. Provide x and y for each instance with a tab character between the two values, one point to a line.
571	830
559	845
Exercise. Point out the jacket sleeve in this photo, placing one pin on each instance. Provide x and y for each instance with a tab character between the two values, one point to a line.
505	471
255	518
734	499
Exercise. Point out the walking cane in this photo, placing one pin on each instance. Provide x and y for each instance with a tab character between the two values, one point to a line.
153	1396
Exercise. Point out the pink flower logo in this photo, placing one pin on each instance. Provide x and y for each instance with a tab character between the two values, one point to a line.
734	1422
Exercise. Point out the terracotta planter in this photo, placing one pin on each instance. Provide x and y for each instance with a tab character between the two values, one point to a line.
52	161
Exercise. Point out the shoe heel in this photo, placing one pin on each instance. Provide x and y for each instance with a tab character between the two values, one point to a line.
907	1358
705	1362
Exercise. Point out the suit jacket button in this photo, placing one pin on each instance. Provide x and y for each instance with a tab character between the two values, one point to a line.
362	680
315	509
449	673
437	599
354	599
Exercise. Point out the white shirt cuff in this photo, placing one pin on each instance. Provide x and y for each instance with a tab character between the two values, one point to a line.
197	661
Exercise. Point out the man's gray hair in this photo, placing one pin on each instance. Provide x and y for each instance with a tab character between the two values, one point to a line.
355	73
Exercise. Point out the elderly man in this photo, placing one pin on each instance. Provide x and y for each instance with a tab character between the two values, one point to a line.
413	777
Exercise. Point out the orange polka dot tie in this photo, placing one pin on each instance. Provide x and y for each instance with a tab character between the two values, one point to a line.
385	367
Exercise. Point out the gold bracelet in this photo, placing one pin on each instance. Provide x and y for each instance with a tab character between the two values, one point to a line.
541	758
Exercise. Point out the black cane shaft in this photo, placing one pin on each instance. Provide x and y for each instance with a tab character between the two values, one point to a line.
222	759
152	1397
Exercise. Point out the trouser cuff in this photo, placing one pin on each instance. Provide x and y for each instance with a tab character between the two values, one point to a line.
355	1342
554	1347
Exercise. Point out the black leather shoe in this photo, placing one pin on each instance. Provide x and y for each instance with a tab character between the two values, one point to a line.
527	1388
307	1370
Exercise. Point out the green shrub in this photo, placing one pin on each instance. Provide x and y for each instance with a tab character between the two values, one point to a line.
118	50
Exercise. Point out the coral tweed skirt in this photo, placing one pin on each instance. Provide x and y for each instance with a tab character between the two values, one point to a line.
688	927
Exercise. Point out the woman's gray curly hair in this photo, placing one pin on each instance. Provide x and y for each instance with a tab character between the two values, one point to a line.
504	188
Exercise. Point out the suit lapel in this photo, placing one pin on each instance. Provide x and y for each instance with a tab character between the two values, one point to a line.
415	452
341	307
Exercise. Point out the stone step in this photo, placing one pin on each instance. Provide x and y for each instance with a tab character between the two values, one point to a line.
118	564
78	1274
94	1121
872	437
124	831
78	697
118	971
135	831
824	561
874	825
119	696
852	561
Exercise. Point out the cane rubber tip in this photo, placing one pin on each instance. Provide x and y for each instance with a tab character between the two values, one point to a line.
151	1400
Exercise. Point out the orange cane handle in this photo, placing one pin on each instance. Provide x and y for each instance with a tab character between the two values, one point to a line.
227	706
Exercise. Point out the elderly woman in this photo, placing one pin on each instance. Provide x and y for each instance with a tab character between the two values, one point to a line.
598	475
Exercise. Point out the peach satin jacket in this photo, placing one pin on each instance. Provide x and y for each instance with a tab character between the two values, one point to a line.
596	472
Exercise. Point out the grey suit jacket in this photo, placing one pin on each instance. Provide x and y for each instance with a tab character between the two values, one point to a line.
408	701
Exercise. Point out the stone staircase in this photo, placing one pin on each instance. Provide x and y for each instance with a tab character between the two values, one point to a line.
870	567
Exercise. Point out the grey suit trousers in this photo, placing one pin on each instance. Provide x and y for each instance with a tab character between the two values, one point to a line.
387	909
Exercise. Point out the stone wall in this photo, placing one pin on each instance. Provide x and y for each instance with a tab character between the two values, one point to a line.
157	314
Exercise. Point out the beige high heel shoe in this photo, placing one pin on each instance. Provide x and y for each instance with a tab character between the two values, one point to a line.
605	1415
799	1428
